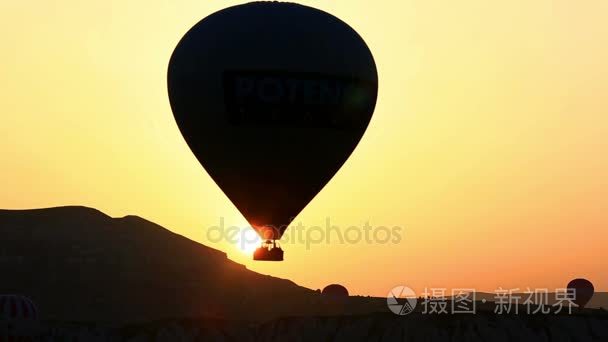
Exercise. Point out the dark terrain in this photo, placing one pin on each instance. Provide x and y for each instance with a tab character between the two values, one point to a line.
94	277
371	327
77	263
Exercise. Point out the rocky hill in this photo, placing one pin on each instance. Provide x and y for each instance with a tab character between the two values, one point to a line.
591	326
97	278
77	263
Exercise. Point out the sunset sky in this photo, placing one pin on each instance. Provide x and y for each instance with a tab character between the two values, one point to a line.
488	146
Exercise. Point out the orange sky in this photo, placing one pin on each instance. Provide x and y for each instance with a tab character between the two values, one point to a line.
488	144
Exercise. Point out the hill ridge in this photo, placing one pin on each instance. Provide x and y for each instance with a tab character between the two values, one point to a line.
76	262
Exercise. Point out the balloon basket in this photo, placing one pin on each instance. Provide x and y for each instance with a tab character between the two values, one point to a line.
268	251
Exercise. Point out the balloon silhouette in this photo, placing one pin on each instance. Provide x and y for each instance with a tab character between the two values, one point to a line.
272	98
583	289
17	307
335	290
20	318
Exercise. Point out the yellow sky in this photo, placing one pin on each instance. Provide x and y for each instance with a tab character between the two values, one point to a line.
488	144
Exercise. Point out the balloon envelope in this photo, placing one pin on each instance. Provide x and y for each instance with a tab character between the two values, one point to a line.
17	308
583	290
272	98
335	290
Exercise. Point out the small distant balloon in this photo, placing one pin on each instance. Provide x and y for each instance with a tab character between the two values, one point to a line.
335	291
20	318
583	290
17	308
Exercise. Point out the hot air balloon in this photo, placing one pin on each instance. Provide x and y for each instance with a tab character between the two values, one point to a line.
272	98
18	318
583	290
335	290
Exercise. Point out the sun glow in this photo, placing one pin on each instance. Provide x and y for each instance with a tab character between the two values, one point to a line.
248	240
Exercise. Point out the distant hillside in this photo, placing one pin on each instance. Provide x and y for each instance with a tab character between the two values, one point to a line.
77	263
